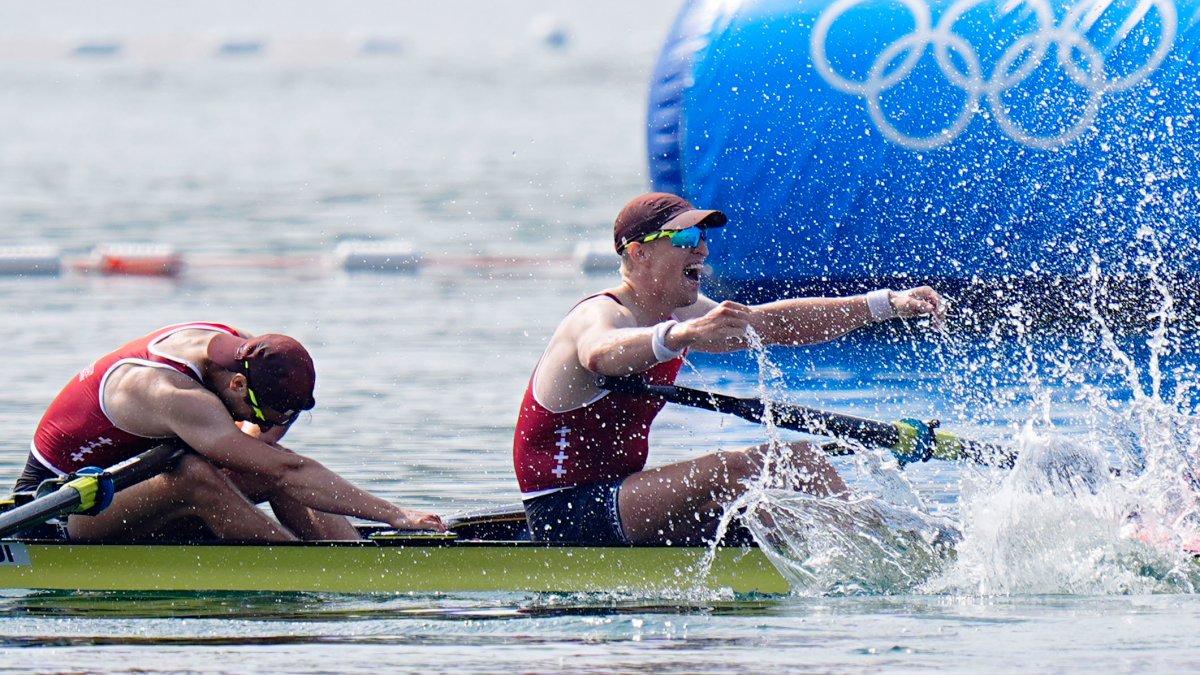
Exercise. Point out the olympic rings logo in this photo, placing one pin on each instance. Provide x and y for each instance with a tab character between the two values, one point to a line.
1080	59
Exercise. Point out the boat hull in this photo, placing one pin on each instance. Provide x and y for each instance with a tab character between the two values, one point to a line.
404	564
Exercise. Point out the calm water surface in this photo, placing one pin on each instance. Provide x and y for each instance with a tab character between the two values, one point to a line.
495	156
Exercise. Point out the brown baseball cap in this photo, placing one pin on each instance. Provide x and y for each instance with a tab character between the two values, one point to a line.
654	211
279	368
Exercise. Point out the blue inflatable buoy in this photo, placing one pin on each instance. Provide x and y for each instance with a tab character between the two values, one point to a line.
861	142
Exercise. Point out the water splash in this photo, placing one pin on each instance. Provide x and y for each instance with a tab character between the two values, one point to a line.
866	544
1060	522
857	546
1110	510
1103	499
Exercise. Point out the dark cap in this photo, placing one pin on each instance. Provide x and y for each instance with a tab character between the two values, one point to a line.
280	370
654	211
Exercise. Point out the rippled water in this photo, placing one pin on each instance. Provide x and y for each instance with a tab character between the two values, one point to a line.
495	156
494	634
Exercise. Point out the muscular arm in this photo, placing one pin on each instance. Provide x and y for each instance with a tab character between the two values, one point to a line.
609	341
804	321
597	337
603	337
722	327
182	408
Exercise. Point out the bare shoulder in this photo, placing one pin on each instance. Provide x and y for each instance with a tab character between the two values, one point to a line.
146	399
561	382
593	316
191	343
136	379
600	311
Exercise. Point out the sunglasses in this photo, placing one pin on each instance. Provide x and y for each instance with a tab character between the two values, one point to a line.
685	238
263	422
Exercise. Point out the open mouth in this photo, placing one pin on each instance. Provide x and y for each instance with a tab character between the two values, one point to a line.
693	272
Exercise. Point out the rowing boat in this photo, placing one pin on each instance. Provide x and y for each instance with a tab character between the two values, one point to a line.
488	552
483	551
471	559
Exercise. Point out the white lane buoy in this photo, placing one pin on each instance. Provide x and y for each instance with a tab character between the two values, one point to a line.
596	257
377	256
150	259
21	260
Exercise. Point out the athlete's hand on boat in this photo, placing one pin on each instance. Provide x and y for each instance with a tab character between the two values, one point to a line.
919	301
417	520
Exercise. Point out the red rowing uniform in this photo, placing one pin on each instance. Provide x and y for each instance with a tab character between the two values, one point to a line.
76	431
604	439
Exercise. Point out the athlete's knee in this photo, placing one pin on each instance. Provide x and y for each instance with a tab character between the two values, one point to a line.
813	471
738	465
794	459
194	475
758	457
805	452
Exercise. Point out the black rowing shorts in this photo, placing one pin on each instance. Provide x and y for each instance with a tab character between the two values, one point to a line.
33	475
584	515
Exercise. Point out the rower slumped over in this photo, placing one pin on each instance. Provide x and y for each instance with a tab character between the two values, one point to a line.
229	397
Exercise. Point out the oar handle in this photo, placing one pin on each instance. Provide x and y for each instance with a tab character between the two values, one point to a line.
63	500
909	440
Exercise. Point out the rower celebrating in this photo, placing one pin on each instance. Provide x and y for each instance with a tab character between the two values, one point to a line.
230	397
580	451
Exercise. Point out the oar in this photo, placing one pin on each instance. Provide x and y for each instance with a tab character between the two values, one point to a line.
910	440
86	490
505	522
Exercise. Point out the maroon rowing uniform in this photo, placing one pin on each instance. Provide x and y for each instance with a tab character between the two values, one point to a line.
606	438
76	431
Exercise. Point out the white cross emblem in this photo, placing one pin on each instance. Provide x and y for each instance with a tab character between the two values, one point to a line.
559	469
85	450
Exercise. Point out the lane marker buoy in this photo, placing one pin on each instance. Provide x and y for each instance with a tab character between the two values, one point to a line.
596	257
144	259
19	260
378	256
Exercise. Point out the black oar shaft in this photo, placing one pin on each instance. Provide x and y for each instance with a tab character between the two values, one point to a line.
787	416
900	438
146	465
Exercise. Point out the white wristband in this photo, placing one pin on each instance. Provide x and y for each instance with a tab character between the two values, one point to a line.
879	302
659	342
